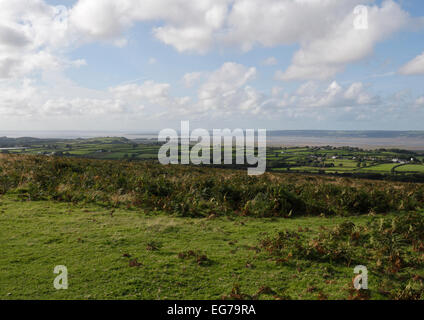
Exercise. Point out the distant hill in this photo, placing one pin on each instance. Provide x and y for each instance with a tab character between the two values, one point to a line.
6	142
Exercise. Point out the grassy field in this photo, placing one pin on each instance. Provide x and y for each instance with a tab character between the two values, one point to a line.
411	168
91	243
134	230
386	167
97	246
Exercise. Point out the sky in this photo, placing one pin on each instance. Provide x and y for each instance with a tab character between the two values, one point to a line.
140	65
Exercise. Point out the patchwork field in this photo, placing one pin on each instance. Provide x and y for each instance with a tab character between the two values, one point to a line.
411	168
330	160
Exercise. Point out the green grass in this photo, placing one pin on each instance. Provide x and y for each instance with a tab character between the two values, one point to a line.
306	169
343	163
90	242
411	168
385	167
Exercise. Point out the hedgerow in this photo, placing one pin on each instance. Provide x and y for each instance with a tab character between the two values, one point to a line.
200	191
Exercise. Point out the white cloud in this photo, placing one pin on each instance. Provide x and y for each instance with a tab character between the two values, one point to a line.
225	93
198	26
189	79
415	66
26	98
229	77
16	98
35	38
357	93
155	93
222	92
323	29
103	19
225	90
271	61
185	39
120	42
312	97
276	91
307	88
324	56
82	107
420	101
31	36
11	37
188	26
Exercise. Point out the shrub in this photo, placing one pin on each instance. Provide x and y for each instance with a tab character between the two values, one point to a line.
200	191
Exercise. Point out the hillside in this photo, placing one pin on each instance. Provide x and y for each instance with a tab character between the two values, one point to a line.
141	230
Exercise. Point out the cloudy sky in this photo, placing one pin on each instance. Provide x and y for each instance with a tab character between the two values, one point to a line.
148	64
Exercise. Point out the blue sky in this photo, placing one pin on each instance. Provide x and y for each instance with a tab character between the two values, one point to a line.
274	64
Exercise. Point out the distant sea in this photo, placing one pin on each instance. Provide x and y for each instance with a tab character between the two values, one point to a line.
411	140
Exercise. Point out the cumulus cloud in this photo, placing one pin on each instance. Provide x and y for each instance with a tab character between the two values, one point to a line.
81	107
228	91
11	37
224	93
312	95
323	29
31	36
189	79
36	37
318	101
324	56
152	96
189	26
420	101
155	92
16	99
271	61
415	66
225	89
229	77
26	98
